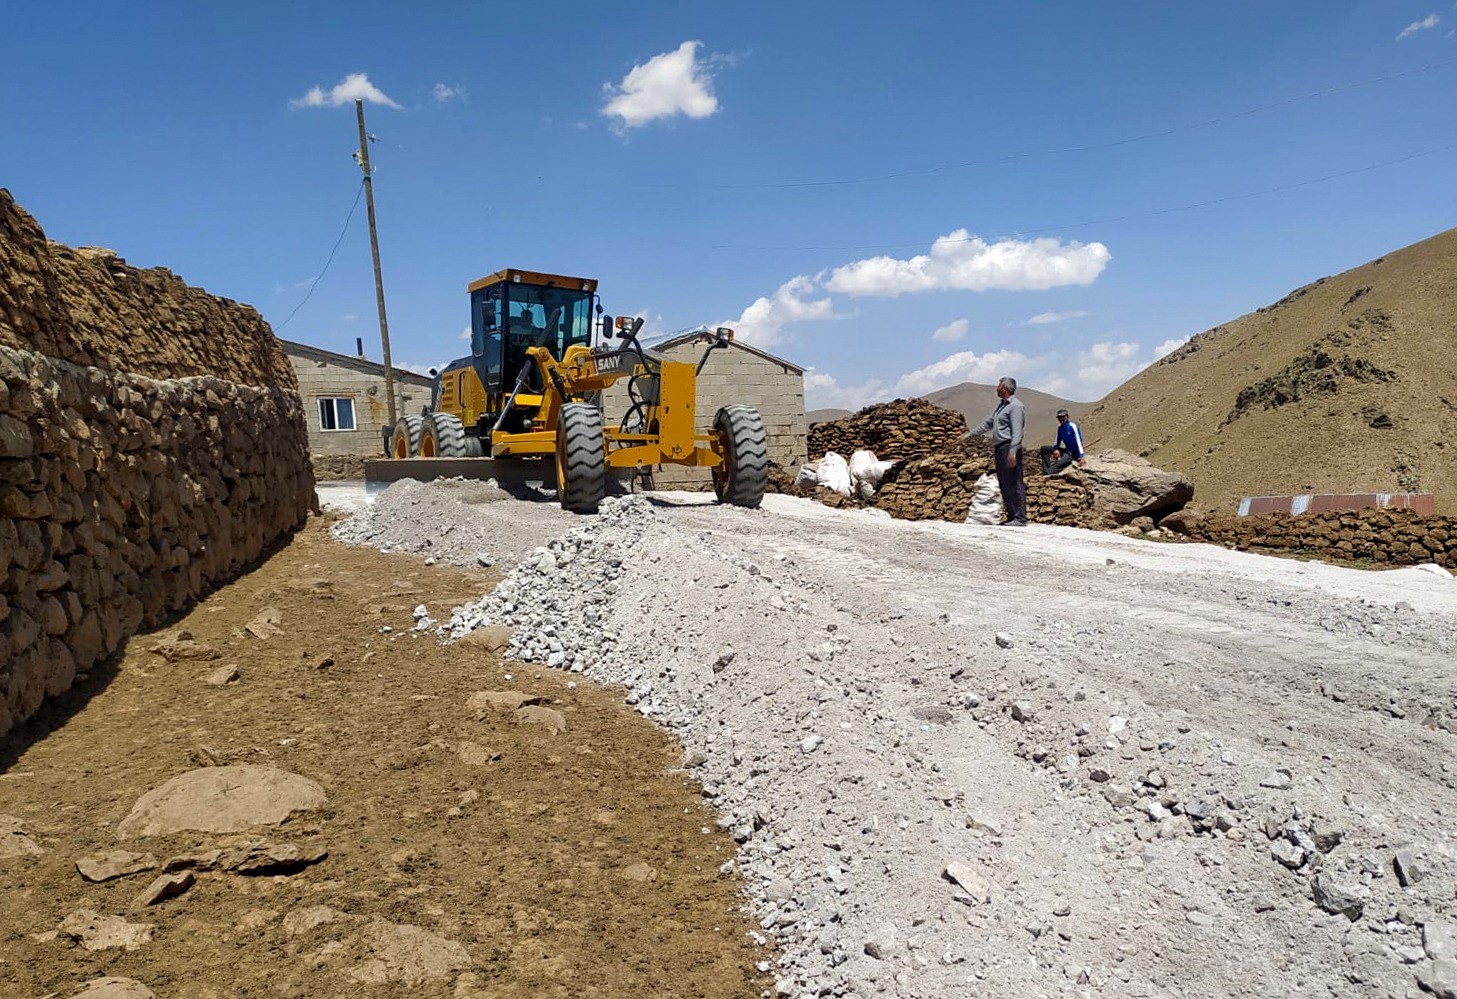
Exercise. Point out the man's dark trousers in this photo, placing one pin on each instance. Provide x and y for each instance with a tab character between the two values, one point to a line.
1010	481
1050	467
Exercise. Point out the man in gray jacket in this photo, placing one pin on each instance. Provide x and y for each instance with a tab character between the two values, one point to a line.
1005	427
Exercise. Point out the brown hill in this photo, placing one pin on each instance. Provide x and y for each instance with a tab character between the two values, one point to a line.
1345	385
825	415
975	402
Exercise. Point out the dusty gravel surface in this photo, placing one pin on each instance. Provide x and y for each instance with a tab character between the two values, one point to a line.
467	853
1141	763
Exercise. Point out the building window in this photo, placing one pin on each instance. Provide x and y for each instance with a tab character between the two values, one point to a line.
336	414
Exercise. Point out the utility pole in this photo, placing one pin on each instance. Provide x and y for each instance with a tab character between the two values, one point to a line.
384	326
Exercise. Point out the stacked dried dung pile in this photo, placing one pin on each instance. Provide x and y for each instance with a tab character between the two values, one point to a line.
938	486
898	431
1387	537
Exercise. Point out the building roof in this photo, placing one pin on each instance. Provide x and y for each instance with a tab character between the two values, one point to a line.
682	338
295	349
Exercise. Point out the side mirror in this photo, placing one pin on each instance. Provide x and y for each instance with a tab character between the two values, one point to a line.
607	327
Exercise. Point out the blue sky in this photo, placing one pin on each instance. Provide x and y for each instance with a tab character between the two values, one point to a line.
784	167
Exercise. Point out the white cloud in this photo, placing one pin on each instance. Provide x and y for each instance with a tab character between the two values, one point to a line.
349	317
1430	21
355	87
668	84
1089	374
1046	318
444	92
952	331
464	334
417	367
763	322
1169	346
962	262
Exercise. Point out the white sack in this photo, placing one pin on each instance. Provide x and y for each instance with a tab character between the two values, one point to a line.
834	473
809	475
866	472
986	502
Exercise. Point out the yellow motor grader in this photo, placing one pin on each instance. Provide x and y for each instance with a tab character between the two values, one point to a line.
533	384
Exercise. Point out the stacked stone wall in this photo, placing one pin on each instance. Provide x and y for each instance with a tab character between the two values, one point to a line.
152	445
1383	537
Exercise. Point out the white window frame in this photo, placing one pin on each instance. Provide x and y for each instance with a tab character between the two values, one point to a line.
332	402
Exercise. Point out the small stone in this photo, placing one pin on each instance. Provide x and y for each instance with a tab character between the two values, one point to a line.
112	864
984	823
978	887
1278	780
881	942
94	931
1338	898
1440	979
1004	640
1439	939
640	872
1409	870
1099	775
1199	918
165	887
695	759
810	743
113	987
222	676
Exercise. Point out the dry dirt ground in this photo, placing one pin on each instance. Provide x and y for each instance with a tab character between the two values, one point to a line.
578	863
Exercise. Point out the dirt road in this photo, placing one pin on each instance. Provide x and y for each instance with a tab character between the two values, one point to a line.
974	760
572	863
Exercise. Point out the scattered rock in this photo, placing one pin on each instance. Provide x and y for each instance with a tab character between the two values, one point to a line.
695	759
265	858
984	823
640	872
207	860
1439	939
266	624
485	702
473	754
978	887
491	637
182	649
1338	898
880	944
1409	870
113	987
222	676
407	954
112	864
1440	978
13	840
94	931
532	714
221	800
1278	780
165	887
1004	640
305	918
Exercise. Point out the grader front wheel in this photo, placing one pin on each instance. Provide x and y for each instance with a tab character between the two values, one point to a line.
581	458
742	444
442	436
405	443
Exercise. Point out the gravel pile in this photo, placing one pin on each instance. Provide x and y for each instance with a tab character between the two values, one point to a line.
962	761
459	521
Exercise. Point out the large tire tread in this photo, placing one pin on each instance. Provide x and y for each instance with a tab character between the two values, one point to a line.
409	431
746	473
447	433
581	457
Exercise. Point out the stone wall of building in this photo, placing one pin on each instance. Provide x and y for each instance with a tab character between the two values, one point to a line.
733	376
152	445
323	375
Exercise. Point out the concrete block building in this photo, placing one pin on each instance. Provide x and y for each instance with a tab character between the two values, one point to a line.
344	399
741	374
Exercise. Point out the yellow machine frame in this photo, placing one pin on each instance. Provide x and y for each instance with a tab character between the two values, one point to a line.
675	440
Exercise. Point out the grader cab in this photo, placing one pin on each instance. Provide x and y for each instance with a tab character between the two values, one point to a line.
532	388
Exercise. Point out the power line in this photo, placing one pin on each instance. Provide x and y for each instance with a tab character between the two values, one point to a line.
1112	218
1086	147
358	194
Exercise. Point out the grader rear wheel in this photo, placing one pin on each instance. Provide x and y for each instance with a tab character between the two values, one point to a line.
744	447
405	443
581	458
442	436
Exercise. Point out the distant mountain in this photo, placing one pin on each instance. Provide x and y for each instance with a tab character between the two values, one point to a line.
975	402
821	415
1345	385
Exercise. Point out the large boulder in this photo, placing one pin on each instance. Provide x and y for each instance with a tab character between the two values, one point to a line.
1124	486
221	800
